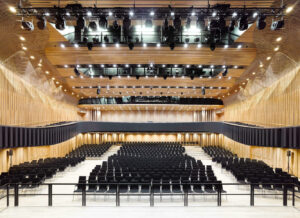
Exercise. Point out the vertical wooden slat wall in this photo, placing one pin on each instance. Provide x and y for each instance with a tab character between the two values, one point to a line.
277	105
23	104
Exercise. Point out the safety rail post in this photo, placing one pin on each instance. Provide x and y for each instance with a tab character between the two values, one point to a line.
151	196
186	197
83	195
7	195
118	196
16	192
293	197
219	196
251	195
49	194
284	195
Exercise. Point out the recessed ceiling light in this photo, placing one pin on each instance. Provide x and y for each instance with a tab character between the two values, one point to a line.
47	72
62	45
186	45
175	65
39	64
114	65
102	65
81	77
126	65
68	14
278	39
66	66
22	38
24	48
89	13
53	78
158	45
225	46
76	45
72	77
268	58
199	66
229	77
214	14
145	45
110	13
199	46
117	45
276	49
172	13
32	57
261	65
12	9
139	65
289	9
235	67
152	13
239	46
103	45
131	13
253	73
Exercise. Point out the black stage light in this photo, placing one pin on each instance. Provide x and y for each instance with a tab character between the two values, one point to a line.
103	23
203	91
225	72
90	46
165	77
80	22
60	23
130	45
177	23
126	23
42	23
27	25
110	77
212	46
232	25
172	45
76	71
261	23
276	25
243	24
200	23
137	77
115	24
192	77
188	23
98	91
148	23
93	25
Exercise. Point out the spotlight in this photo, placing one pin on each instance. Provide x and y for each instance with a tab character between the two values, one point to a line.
90	46
188	23
60	23
80	22
177	23
261	23
130	45
126	23
27	25
172	45
276	25
225	72
115	24
42	23
98	91
212	46
93	25
192	77
203	91
103	23
165	77
76	71
110	77
148	23
137	77
243	24
232	25
200	23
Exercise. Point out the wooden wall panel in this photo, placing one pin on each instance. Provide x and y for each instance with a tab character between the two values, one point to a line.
274	157
21	155
276	105
23	104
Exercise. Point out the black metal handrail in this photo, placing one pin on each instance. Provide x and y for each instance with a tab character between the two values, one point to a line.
185	191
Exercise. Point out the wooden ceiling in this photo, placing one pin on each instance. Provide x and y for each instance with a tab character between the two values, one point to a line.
69	55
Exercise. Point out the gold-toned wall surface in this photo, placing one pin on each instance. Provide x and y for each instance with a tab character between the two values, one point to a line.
271	95
274	157
21	155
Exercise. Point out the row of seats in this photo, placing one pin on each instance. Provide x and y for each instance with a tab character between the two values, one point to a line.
247	170
32	174
90	150
164	167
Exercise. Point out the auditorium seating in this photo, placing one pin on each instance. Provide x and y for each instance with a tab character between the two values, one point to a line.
31	175
138	167
253	171
90	150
